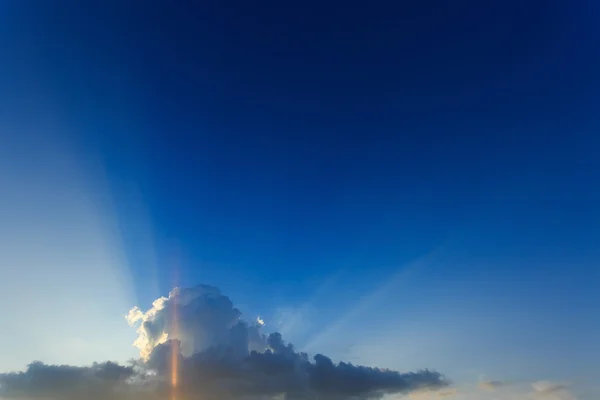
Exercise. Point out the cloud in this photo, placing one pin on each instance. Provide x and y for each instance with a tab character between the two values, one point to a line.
218	355
200	318
41	381
490	385
548	386
539	390
548	390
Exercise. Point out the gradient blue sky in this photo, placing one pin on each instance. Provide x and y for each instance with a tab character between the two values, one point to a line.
401	185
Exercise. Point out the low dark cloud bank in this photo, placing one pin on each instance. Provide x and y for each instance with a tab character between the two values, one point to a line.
218	355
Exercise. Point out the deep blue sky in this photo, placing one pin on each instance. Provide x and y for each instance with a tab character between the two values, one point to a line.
283	140
276	149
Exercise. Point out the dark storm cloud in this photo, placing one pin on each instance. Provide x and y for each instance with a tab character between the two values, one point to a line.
219	356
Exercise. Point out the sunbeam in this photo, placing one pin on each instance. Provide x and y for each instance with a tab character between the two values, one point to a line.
174	354
60	240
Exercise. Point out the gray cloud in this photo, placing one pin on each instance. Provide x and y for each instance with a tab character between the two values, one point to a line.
41	381
218	356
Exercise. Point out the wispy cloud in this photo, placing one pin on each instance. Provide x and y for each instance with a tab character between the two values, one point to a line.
548	390
490	385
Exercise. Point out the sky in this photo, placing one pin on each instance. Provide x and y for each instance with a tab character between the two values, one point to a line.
394	185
